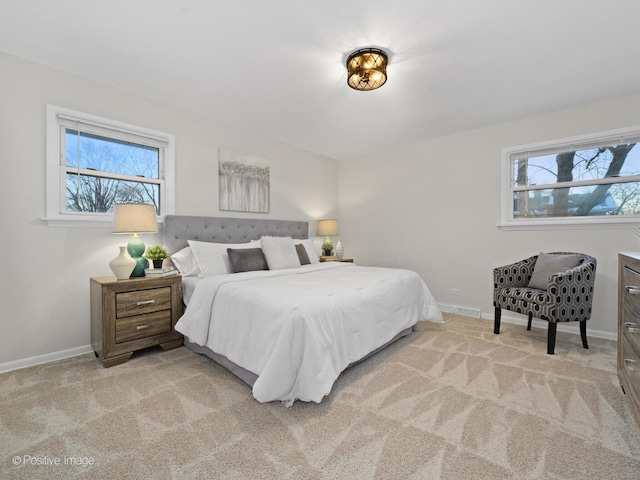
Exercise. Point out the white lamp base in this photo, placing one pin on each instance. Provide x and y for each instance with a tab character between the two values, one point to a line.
122	265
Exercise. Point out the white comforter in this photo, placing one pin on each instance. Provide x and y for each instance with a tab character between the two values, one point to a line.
297	329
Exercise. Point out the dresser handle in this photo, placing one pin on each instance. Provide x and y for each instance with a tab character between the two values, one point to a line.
147	302
631	327
630	364
143	327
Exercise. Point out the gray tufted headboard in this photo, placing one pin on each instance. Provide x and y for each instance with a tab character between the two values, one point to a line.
180	228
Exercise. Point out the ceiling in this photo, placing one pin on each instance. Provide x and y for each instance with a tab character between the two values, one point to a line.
278	67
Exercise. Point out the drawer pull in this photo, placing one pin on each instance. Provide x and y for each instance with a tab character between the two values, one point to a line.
631	327
147	302
630	364
144	327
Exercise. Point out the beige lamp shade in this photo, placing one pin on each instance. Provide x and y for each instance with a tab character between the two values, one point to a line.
327	227
134	218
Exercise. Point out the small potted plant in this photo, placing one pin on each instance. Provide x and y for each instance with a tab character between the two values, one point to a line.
327	247
156	254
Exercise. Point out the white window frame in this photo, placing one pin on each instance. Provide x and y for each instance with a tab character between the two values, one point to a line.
59	118
508	222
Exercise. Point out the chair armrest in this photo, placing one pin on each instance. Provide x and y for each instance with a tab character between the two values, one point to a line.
514	275
579	280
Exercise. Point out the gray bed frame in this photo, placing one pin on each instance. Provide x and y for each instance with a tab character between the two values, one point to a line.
178	229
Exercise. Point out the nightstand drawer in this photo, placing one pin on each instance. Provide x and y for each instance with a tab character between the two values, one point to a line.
142	326
142	301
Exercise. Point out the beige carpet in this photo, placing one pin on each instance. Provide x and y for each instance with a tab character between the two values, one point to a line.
451	401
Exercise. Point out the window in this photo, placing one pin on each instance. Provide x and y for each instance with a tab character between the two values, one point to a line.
592	179
94	163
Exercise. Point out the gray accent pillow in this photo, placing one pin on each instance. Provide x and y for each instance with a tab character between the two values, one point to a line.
302	254
246	259
549	264
312	253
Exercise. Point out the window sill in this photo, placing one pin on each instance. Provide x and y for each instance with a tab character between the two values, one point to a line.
88	221
571	224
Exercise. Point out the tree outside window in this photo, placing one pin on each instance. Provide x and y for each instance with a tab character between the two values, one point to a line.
91	161
595	179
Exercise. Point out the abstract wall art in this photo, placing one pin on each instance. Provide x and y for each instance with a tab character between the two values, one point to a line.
244	181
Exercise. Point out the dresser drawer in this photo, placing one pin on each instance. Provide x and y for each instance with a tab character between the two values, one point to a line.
631	285
142	301
630	328
631	367
141	326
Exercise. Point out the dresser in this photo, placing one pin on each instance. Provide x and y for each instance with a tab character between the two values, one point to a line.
132	314
629	328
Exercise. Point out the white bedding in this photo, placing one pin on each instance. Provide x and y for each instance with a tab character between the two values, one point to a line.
188	287
297	329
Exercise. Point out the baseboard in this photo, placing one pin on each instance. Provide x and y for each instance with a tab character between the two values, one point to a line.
466	311
46	358
567	327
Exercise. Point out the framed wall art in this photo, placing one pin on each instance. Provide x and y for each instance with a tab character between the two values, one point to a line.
244	181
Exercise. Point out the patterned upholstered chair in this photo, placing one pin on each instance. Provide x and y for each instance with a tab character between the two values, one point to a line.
567	297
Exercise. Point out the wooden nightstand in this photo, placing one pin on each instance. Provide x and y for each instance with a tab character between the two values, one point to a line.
129	315
336	259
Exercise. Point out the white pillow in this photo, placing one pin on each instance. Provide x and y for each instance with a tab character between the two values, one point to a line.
310	248
212	258
280	252
185	262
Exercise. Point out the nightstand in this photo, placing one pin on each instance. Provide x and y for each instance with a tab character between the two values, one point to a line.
132	314
336	259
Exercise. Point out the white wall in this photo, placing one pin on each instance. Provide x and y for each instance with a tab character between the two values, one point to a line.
434	207
44	297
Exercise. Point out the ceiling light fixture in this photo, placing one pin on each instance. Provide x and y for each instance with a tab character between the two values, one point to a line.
367	69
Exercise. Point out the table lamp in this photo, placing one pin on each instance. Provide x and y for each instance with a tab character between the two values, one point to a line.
135	218
328	228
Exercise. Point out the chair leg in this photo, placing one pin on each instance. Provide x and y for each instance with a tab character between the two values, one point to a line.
529	323
496	322
583	333
551	339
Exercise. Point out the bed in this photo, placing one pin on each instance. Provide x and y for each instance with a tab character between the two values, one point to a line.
271	313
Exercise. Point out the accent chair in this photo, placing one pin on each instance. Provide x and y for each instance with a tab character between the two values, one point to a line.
556	287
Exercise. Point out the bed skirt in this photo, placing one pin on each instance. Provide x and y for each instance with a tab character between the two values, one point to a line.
249	377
